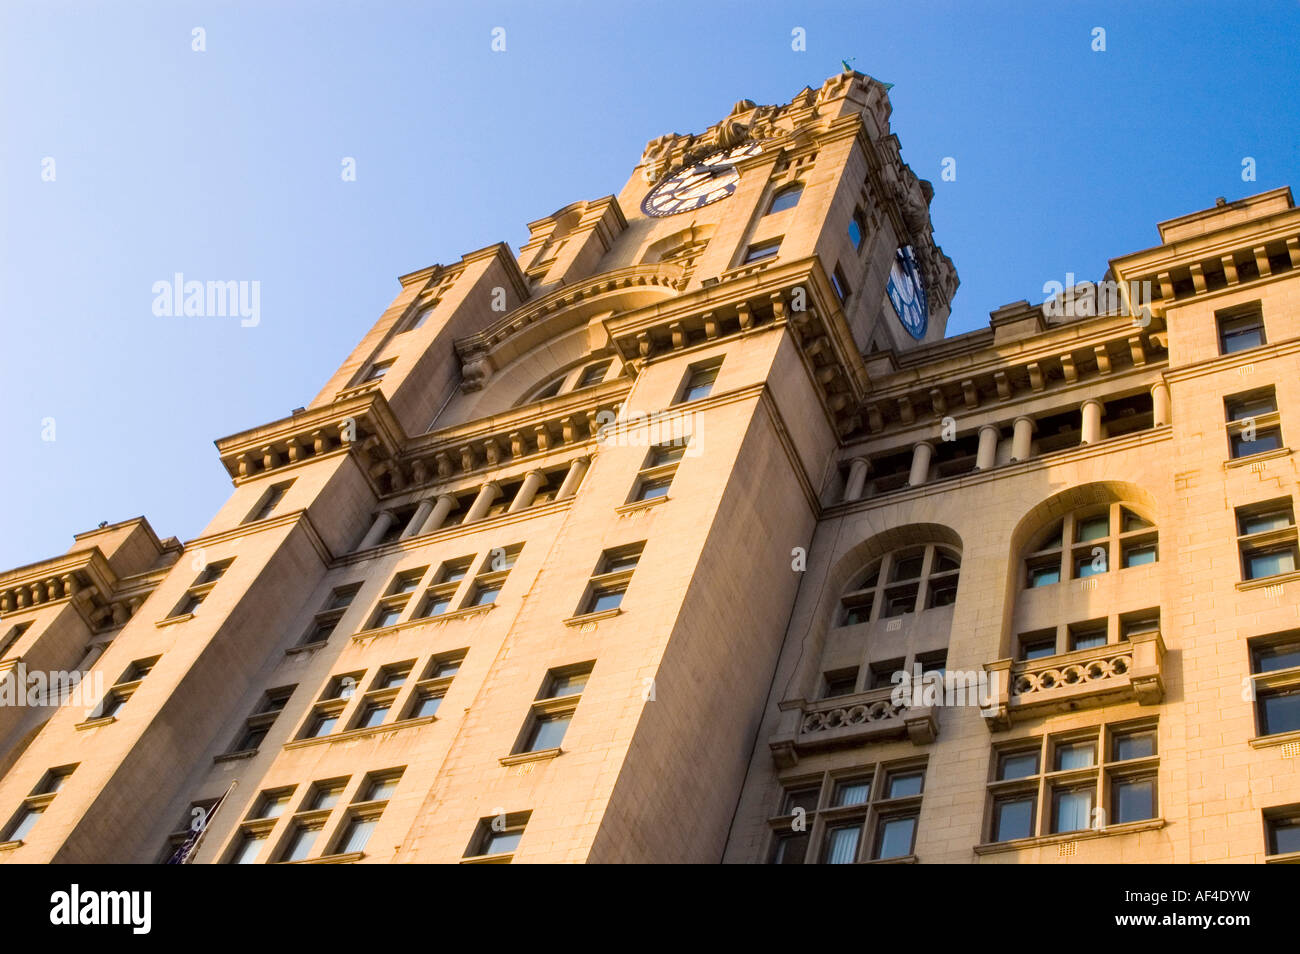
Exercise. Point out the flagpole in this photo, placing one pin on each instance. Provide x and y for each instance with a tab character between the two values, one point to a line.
194	849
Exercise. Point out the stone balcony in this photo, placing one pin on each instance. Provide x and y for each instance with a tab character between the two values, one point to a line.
842	721
1131	671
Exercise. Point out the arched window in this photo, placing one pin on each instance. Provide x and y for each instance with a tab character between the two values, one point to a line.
1090	541
575	379
785	198
904	581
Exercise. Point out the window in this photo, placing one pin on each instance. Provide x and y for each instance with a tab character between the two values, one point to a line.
857	229
418	319
325	714
1037	645
901	582
200	588
1087	542
699	382
786	197
846	818
554	708
761	251
270	500
1088	635
1282	827
611	579
15	633
497	837
1254	426
1275	680
1266	538
257	725
123	689
255	830
393	604
491	577
324	622
1078	792
1240	329
248	845
379	699
429	691
309	821
592	375
34	805
364	813
840	284
656	474
842	682
438	597
302	838
378	370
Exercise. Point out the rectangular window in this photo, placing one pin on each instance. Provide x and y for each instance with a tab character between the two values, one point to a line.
699	381
382	695
593	374
842	844
857	229
270	500
491	577
396	597
1253	423
1240	329
324	623
1133	798
762	250
1075	755
610	581
428	693
895	836
657	472
248	846
1283	829
552	711
10	638
1088	635
497	837
1266	538
1072	808
840	284
1037	645
29	813
259	723
300	842
1044	573
124	688
200	588
379	369
1013	817
842	682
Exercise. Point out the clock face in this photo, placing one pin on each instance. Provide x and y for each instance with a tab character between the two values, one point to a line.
694	187
907	293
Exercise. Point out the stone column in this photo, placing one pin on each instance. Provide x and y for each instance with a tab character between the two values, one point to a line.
574	477
527	491
859	468
487	495
1160	403
1021	437
383	521
1091	421
921	454
446	503
988	450
415	526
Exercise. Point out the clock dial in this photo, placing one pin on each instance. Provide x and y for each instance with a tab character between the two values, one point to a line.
907	293
712	178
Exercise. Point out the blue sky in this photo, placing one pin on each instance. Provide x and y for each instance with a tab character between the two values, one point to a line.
225	164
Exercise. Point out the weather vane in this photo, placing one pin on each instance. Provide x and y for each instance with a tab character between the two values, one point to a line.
849	69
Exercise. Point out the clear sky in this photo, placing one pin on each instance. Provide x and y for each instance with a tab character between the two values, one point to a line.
226	164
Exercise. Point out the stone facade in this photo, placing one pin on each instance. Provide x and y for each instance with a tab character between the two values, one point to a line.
611	551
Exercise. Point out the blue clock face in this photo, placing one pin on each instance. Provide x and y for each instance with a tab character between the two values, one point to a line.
907	293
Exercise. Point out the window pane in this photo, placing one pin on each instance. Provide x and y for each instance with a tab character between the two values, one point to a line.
653	489
1279	712
1260	522
26	822
502	842
791	849
323	725
855	233
1071	809
1273	658
250	845
326	798
855	792
785	199
1038	649
1270	563
804	798
300	844
1088	564
1076	755
1018	765
381	789
1133	799
373	716
484	595
548	732
387	617
1092	528
842	845
448	667
569	684
1265	440
1285	836
357	834
1044	575
903	784
605	600
1013	818
895	837
1134	745
435	606
426	706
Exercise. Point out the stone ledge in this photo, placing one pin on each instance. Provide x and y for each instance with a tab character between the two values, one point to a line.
1087	834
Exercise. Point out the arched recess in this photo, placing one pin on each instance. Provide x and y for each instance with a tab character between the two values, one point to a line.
1113	592
859	653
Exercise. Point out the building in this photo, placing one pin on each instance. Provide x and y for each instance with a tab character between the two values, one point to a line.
616	550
